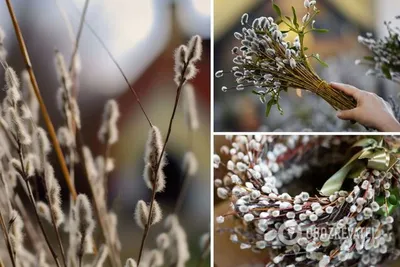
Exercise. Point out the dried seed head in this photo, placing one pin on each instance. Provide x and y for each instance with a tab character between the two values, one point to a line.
43	210
141	214
163	241
153	151
195	49
108	132
190	163
130	263
189	107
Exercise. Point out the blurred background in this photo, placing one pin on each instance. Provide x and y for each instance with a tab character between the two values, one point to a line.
346	20
142	35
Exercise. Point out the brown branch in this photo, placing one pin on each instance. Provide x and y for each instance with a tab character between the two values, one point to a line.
43	108
153	197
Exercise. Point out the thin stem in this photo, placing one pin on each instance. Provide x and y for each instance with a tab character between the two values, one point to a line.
122	73
53	222
7	240
32	200
33	203
153	197
120	70
78	36
45	114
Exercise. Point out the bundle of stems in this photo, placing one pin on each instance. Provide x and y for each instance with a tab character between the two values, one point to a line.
271	64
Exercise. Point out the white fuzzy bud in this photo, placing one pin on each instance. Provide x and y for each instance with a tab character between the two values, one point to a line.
43	210
153	151
130	263
108	132
163	241
142	213
85	223
54	194
195	49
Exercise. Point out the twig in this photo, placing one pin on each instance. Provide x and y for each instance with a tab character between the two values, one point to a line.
153	197
78	36
120	70
7	240
33	203
43	108
53	221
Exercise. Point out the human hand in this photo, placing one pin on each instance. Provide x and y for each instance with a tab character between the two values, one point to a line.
371	111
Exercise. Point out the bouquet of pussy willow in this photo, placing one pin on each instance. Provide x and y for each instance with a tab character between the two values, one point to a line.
350	221
269	62
385	57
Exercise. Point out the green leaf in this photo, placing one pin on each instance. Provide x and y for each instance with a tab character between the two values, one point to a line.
277	10
270	103
369	58
305	48
320	30
386	72
323	63
295	18
278	22
255	92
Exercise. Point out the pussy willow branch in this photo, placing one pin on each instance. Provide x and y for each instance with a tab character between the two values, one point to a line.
7	239
153	197
53	221
115	261
33	203
43	108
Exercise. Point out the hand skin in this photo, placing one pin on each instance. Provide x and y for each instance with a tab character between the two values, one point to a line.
371	111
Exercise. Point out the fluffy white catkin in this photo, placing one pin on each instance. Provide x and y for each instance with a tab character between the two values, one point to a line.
142	213
108	132
54	191
130	263
152	157
189	107
101	257
43	210
85	222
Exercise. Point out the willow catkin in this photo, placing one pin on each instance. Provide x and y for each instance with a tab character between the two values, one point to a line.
130	263
43	210
108	132
30	97
54	194
142	213
178	252
16	231
84	223
154	258
195	49
152	157
18	128
163	241
101	257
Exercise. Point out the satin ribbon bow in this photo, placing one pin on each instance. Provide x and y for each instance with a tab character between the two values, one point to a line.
373	155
